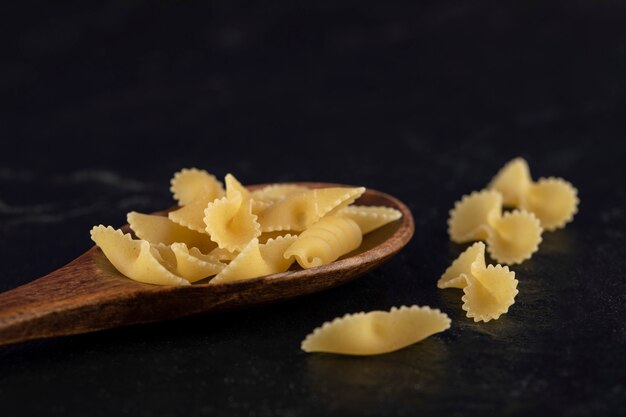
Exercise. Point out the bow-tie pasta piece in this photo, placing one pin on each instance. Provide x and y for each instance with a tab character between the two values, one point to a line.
370	218
160	229
192	214
277	192
512	181
472	259
189	184
299	211
257	260
515	237
376	332
553	200
472	216
194	189
230	221
325	241
489	293
136	259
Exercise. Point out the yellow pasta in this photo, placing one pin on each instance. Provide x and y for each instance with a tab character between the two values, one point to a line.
376	332
257	260
301	210
190	184
472	216
472	258
512	181
325	241
370	218
194	189
489	291
553	200
160	229
229	220
134	258
515	237
216	231
277	192
192	214
188	263
511	238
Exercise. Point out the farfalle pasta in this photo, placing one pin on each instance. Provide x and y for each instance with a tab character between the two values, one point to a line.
489	291
136	259
229	220
511	237
229	234
376	332
553	200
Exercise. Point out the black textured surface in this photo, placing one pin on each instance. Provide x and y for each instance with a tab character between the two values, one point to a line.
424	102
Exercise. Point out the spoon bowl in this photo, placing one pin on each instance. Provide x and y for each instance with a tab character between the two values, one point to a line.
89	294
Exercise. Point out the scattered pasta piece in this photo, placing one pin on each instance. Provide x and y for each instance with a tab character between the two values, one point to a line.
515	237
376	332
370	218
553	200
473	216
160	229
512	181
257	260
511	238
489	291
134	258
472	258
325	241
229	221
301	210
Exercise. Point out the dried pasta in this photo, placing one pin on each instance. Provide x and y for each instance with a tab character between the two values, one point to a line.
553	200
489	291
194	189
229	220
136	259
376	332
229	233
160	229
370	218
190	184
299	211
325	241
511	237
257	260
188	263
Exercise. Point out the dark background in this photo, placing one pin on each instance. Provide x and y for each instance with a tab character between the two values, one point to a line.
426	101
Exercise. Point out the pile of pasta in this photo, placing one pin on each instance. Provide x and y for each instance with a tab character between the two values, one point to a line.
230	234
511	237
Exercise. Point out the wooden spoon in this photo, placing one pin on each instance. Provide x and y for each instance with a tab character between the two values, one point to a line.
89	294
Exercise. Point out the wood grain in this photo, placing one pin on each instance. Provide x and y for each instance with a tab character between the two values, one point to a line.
88	294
